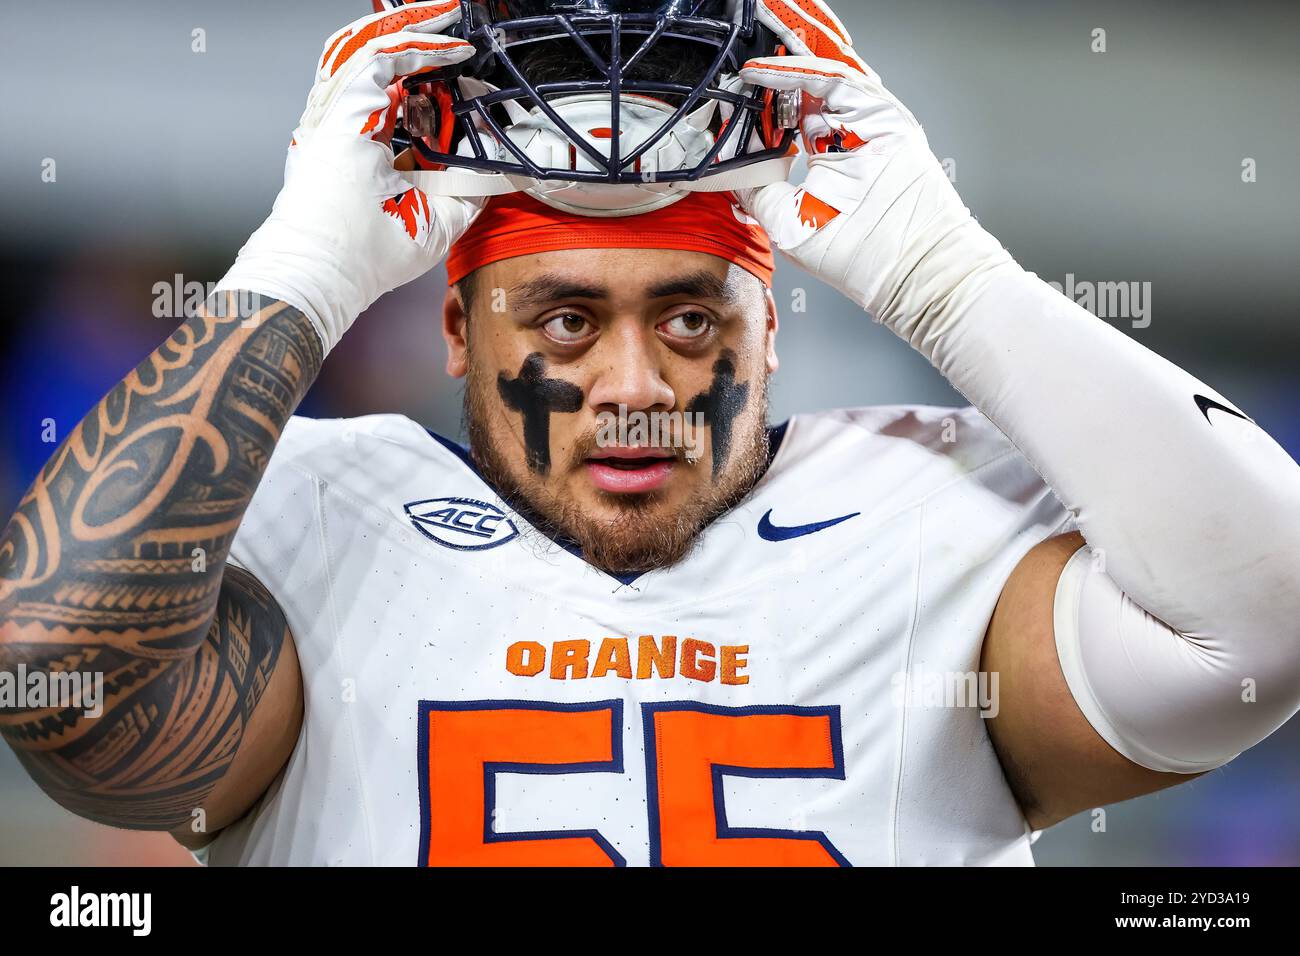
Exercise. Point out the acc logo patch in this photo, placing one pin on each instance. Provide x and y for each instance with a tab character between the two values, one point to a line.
461	523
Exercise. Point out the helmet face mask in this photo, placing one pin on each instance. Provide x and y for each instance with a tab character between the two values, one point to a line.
553	80
518	9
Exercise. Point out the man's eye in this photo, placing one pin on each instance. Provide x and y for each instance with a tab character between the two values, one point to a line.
688	325
567	328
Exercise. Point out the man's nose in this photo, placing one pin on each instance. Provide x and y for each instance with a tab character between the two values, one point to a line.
629	372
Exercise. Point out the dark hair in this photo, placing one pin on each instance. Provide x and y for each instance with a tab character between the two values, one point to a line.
467	289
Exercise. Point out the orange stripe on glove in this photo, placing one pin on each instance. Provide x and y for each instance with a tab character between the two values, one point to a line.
810	28
391	23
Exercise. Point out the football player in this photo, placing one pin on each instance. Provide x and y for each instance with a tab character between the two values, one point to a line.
894	635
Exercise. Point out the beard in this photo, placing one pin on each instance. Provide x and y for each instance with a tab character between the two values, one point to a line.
645	534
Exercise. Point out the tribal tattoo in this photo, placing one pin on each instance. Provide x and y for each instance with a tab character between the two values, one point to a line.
115	564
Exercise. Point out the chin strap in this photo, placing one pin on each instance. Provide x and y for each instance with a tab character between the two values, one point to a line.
465	182
758	174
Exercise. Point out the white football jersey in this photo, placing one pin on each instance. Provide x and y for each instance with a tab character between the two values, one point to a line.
800	690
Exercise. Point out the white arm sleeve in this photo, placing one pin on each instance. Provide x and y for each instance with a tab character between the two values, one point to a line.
1164	701
1195	510
1186	650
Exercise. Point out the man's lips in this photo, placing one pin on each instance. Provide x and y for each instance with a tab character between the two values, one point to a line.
626	470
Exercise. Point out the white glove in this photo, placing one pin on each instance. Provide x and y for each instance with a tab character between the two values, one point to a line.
876	200
346	227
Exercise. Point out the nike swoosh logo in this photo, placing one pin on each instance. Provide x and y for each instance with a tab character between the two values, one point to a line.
770	532
1205	404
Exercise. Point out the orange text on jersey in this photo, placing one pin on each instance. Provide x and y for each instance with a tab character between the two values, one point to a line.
664	658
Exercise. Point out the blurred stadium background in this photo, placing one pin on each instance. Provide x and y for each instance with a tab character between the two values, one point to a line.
1120	166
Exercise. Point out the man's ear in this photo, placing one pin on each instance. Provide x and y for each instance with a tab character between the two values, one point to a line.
455	333
773	324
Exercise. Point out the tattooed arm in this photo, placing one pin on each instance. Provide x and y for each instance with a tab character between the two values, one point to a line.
115	564
116	559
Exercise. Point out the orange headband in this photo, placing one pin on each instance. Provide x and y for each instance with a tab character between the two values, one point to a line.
516	224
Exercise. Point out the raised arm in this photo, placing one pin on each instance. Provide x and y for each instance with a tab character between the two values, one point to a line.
114	567
1169	643
116	561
